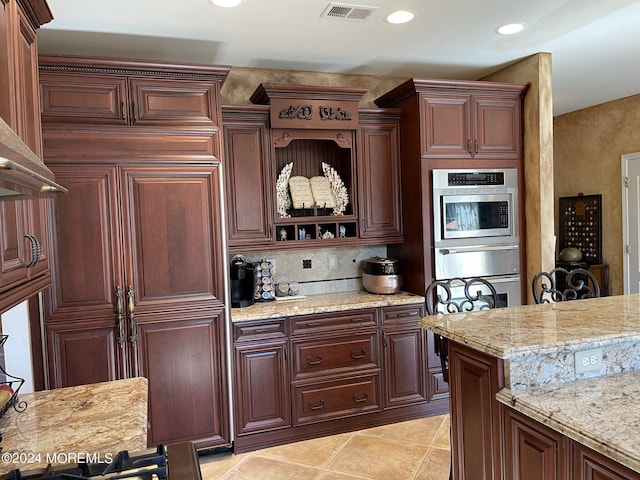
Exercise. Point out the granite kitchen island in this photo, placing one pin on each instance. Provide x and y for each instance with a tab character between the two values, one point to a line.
518	402
65	425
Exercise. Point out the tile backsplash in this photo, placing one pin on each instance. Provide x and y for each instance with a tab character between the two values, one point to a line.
318	271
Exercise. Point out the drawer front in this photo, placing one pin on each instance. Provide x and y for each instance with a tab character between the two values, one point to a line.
258	330
326	400
331	322
402	314
329	355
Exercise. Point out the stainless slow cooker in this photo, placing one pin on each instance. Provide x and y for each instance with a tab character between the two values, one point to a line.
381	275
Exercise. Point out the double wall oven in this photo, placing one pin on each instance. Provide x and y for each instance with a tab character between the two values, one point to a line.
475	220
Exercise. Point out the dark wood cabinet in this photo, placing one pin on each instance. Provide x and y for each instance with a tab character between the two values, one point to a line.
261	377
279	137
138	262
477	437
184	359
128	99
326	373
405	356
248	175
380	210
23	223
591	465
533	451
448	124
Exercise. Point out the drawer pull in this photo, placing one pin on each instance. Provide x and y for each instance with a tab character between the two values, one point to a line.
358	356
314	362
317	407
364	398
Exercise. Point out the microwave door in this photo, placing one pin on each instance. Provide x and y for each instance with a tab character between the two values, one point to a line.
474	216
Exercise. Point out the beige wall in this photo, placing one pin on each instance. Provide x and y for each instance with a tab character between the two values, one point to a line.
535	71
588	145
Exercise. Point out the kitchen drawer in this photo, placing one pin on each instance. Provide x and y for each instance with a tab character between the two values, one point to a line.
334	354
260	329
330	322
402	314
323	401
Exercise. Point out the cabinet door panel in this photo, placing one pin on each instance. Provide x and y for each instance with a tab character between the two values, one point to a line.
83	99
12	243
533	451
446	127
498	128
381	212
164	101
590	465
262	388
248	171
173	226
183	361
404	365
87	259
82	354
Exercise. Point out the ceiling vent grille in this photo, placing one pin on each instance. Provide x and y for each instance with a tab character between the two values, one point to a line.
348	12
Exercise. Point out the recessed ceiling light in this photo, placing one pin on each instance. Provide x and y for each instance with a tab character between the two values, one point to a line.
400	16
226	3
511	28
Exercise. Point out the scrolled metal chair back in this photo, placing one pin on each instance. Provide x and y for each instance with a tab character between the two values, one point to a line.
477	294
561	285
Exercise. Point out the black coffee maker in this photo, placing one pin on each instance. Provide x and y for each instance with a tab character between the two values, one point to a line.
242	282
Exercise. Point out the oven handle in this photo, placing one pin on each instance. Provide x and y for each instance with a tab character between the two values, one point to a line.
505	248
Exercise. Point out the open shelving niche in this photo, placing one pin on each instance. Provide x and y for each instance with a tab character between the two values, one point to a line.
312	126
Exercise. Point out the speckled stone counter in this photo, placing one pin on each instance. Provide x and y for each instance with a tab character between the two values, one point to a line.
602	413
89	420
600	409
331	302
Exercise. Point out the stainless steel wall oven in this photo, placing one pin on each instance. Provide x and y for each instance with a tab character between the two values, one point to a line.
475	227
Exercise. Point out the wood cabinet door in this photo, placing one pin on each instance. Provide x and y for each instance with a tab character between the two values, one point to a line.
78	98
87	263
404	367
184	360
13	245
83	352
248	176
533	451
27	88
590	465
261	382
379	181
446	130
173	102
7	99
476	429
172	231
497	127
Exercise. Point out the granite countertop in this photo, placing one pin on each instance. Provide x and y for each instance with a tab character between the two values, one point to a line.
330	302
602	413
601	408
59	426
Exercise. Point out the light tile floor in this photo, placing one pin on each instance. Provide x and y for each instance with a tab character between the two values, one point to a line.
412	450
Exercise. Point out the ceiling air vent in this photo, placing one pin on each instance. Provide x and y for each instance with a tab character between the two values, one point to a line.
348	12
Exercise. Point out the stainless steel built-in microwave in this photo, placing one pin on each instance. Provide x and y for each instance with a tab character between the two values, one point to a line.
475	206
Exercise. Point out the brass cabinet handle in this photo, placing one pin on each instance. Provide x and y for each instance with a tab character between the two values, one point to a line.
316	407
123	112
133	336
358	356
364	398
120	314
314	362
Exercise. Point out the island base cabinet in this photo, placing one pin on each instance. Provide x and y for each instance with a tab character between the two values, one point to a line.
476	428
590	465
533	451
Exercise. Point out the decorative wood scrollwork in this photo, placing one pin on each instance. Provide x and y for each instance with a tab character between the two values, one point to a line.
301	112
330	113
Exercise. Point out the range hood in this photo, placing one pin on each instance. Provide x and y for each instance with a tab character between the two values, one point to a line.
22	173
